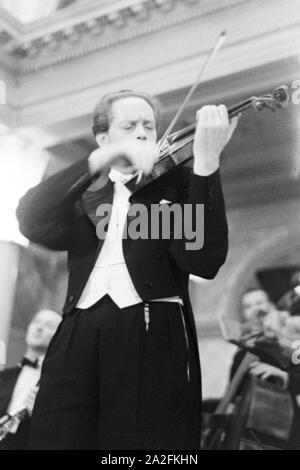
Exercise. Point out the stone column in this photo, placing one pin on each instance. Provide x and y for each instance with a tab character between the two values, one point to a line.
9	255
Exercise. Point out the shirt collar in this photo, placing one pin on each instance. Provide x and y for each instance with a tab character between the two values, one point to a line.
117	176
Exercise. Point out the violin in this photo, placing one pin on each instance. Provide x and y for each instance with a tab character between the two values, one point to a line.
178	147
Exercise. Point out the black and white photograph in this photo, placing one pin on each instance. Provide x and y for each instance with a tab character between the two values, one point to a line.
149	227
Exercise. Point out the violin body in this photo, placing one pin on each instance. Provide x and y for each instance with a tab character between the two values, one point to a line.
262	419
253	414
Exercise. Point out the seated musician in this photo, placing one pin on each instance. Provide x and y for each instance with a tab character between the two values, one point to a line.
255	414
256	308
18	385
275	332
123	372
258	315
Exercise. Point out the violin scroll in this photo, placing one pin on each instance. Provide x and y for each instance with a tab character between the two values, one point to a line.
280	98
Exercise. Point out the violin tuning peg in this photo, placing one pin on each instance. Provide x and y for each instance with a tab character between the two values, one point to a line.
282	96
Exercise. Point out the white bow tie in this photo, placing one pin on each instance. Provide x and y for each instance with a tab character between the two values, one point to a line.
117	176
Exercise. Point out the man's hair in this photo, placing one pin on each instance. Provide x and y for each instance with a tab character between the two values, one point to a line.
103	115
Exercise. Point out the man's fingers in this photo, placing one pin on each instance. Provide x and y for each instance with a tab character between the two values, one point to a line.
253	371
258	370
207	115
223	114
212	113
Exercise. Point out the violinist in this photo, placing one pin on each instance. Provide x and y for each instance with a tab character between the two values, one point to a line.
123	369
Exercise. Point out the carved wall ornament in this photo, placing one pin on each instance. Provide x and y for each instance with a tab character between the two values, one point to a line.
27	49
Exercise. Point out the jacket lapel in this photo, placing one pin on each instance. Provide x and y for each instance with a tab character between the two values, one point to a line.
91	200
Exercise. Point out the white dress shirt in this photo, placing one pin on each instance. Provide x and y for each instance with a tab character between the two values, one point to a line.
28	378
110	274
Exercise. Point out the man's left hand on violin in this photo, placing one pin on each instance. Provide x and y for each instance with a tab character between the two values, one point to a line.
213	132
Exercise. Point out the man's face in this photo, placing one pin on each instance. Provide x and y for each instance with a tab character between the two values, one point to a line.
255	306
132	118
41	330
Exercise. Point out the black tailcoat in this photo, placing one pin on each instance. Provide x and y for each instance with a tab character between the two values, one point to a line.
55	214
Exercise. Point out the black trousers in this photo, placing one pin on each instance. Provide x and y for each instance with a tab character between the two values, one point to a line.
109	383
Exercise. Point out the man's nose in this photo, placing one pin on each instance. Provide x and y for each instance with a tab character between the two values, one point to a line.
141	133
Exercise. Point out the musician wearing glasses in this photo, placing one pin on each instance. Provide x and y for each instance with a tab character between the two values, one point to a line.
19	385
123	372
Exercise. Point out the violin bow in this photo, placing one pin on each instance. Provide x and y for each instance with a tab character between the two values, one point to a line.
212	54
214	51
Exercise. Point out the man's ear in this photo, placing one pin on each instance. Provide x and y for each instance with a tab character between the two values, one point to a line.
101	138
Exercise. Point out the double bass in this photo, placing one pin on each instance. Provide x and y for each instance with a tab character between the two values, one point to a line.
259	413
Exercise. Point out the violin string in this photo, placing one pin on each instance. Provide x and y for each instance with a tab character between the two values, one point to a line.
204	67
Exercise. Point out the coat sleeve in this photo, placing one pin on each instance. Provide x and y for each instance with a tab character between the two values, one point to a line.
45	212
207	260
